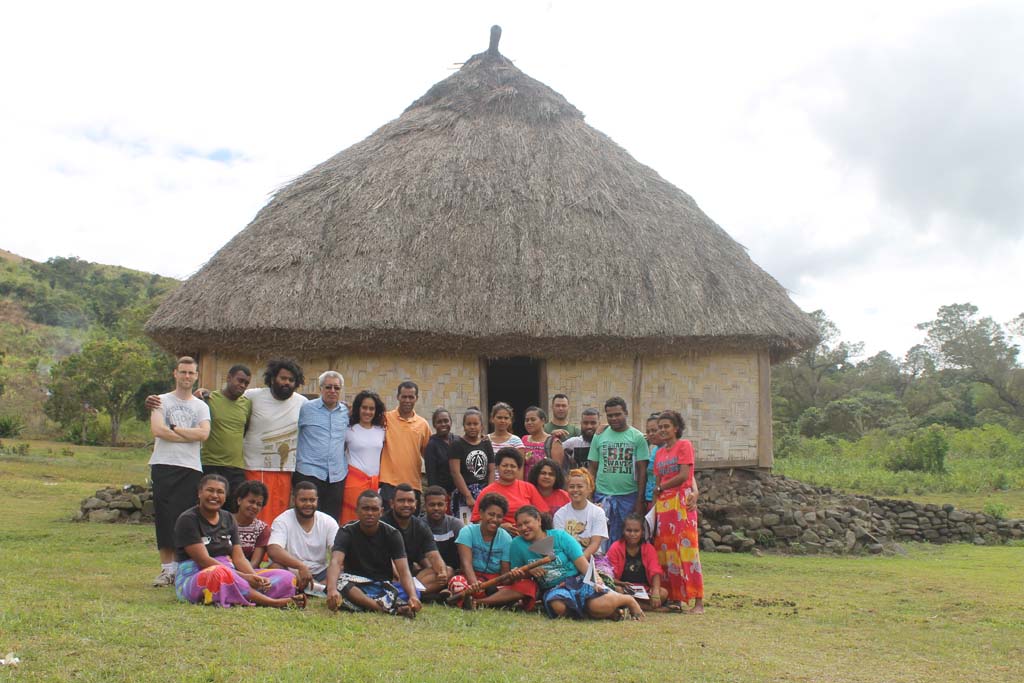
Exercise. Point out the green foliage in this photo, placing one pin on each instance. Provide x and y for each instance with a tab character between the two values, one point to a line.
11	426
997	510
104	376
924	451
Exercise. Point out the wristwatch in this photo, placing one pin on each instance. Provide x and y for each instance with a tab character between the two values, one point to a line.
171	426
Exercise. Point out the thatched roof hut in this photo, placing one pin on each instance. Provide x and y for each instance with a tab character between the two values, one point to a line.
487	220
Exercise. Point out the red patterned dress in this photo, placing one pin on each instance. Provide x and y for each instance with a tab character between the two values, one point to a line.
676	534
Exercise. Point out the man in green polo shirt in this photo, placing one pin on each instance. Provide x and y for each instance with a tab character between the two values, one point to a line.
559	426
618	462
229	418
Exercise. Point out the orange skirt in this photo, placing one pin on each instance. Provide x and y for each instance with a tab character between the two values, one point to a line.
279	492
355	483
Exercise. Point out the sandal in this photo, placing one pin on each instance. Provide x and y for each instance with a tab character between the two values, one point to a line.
674	606
298	601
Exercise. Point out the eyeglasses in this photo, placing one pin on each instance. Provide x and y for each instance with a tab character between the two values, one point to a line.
331	387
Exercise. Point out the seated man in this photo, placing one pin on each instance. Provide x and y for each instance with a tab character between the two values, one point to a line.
366	554
301	537
443	526
425	561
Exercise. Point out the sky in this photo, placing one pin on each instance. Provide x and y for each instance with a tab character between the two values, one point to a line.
870	155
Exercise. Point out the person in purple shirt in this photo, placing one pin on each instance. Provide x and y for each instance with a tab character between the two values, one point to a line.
320	453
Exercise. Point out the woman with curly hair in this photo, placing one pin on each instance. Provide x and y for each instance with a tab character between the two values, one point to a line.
363	445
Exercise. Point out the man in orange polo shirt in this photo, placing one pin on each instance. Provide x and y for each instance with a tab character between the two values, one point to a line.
401	461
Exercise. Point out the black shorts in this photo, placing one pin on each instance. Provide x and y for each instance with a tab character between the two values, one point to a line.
174	491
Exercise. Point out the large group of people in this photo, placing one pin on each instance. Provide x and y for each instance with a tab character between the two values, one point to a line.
263	497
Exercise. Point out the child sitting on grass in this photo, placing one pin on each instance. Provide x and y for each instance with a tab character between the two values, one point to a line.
635	563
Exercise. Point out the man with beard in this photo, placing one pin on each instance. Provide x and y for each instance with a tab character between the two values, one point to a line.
178	426
301	538
559	426
230	411
425	561
320	457
366	555
272	437
577	448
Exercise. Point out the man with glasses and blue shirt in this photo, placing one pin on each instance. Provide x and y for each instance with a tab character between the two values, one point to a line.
320	455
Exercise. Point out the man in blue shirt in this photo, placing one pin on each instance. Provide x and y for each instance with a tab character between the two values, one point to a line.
320	453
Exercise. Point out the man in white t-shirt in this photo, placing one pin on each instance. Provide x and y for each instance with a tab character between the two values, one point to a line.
301	538
272	437
178	426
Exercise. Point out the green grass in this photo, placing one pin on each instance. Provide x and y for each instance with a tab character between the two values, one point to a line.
76	606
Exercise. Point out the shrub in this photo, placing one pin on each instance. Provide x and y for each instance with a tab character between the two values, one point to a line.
10	426
997	510
924	451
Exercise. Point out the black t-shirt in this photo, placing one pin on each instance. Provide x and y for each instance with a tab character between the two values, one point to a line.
417	537
192	528
435	460
370	556
633	571
473	460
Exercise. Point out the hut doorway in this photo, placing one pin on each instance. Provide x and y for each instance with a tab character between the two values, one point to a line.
516	381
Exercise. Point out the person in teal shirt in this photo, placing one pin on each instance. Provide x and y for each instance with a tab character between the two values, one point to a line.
618	462
561	581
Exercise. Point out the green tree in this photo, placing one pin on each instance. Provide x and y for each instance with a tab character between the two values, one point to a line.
103	376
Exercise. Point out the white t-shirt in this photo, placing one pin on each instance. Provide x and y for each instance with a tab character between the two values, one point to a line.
273	431
312	548
188	413
582	524
364	447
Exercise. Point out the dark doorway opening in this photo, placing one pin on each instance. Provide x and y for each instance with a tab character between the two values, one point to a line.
516	381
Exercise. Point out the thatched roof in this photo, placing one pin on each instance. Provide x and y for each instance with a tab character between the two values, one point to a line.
488	218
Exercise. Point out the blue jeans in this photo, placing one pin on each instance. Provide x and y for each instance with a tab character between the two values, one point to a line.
615	509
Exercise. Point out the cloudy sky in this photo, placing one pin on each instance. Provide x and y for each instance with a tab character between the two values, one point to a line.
869	155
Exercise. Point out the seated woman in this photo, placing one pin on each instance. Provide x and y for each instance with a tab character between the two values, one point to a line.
253	533
560	581
549	478
512	488
483	552
213	568
635	562
581	519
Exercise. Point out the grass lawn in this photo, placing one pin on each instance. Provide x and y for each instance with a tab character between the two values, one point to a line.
76	605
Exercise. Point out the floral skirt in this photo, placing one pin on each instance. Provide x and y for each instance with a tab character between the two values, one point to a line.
677	541
223	586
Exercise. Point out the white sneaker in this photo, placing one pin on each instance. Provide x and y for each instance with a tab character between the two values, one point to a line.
164	578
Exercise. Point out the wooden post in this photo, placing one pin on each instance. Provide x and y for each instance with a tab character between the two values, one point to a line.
542	385
484	408
634	406
765	445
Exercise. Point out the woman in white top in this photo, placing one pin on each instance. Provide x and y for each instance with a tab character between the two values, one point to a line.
581	519
363	444
501	420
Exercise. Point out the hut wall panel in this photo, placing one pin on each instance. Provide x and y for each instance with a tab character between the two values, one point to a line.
589	383
718	395
451	382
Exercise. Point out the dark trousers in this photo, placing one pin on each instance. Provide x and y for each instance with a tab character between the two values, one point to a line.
329	494
174	491
235	477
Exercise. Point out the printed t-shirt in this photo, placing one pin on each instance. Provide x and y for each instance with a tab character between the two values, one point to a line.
518	494
189	413
582	524
576	450
445	534
364	447
473	460
566	551
255	535
401	461
513	441
671	462
417	537
615	452
227	431
370	556
273	432
311	548
574	430
192	528
487	555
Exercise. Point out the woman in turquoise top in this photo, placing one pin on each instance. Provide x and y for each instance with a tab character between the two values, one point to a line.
561	580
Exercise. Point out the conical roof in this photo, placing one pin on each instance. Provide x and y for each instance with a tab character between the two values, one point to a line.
488	218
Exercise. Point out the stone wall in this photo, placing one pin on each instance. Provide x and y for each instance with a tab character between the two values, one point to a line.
747	509
131	504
